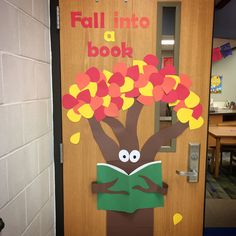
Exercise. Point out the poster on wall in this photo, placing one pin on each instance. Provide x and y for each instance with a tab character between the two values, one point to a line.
216	84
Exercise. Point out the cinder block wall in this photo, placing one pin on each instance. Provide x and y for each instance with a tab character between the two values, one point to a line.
26	147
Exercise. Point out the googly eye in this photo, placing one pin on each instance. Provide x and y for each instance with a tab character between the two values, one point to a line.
124	155
134	156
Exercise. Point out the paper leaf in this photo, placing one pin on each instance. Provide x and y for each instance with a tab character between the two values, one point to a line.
86	111
121	68
69	101
111	111
114	90
158	93
102	89
107	74
145	100
151	60
133	72
128	102
177	218
117	78
184	115
140	65
82	80
92	87
99	114
192	100
156	78
74	90
106	101
195	124
96	102
75	138
93	73
147	90
128	85
72	116
168	84
182	92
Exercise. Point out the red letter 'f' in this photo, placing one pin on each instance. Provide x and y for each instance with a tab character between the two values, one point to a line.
75	16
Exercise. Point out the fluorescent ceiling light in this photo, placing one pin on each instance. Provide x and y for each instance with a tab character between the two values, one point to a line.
167	42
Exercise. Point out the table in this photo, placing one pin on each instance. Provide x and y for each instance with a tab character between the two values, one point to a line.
223	135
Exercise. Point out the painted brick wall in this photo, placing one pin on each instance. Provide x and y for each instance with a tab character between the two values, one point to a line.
26	146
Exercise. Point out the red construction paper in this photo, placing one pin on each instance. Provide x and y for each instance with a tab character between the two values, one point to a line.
182	92
216	55
84	96
145	100
69	101
181	104
142	82
121	68
151	60
118	101
117	78
170	97
102	89
99	114
112	110
156	79
82	80
93	73
132	94
157	93
96	102
168	84
197	111
114	90
148	70
133	72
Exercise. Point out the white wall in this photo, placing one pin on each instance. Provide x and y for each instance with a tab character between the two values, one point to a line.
227	68
26	147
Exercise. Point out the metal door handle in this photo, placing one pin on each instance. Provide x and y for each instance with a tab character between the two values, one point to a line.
192	173
2	225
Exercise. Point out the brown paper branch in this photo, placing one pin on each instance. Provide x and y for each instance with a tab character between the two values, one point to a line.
104	188
107	145
152	187
154	143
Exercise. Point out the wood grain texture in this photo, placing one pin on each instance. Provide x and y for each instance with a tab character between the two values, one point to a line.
81	215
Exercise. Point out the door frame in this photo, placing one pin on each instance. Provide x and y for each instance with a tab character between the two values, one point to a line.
57	117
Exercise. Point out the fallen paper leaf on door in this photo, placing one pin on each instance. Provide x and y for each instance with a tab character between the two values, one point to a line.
177	218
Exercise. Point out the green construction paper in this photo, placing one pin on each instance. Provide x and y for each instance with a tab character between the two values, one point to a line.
136	199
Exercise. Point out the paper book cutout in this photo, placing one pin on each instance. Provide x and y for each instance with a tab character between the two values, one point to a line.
134	199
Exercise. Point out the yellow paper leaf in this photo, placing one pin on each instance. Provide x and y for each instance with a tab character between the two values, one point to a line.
75	138
172	104
192	100
195	124
92	87
128	85
140	65
128	102
184	115
86	111
106	101
147	90
72	116
177	218
74	90
176	78
107	74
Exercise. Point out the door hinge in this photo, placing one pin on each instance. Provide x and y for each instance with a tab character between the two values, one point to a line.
61	153
58	17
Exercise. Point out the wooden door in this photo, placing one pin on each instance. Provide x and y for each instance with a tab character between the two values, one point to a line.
80	206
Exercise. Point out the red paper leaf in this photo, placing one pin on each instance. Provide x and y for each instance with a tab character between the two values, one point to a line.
170	97
181	104
102	89
121	68
168	84
158	93
142	82
117	78
132	94
118	101
184	79
156	79
112	110
147	101
133	72
168	70
197	111
69	101
96	102
151	60
99	114
93	73
148	70
114	90
84	96
82	80
182	92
